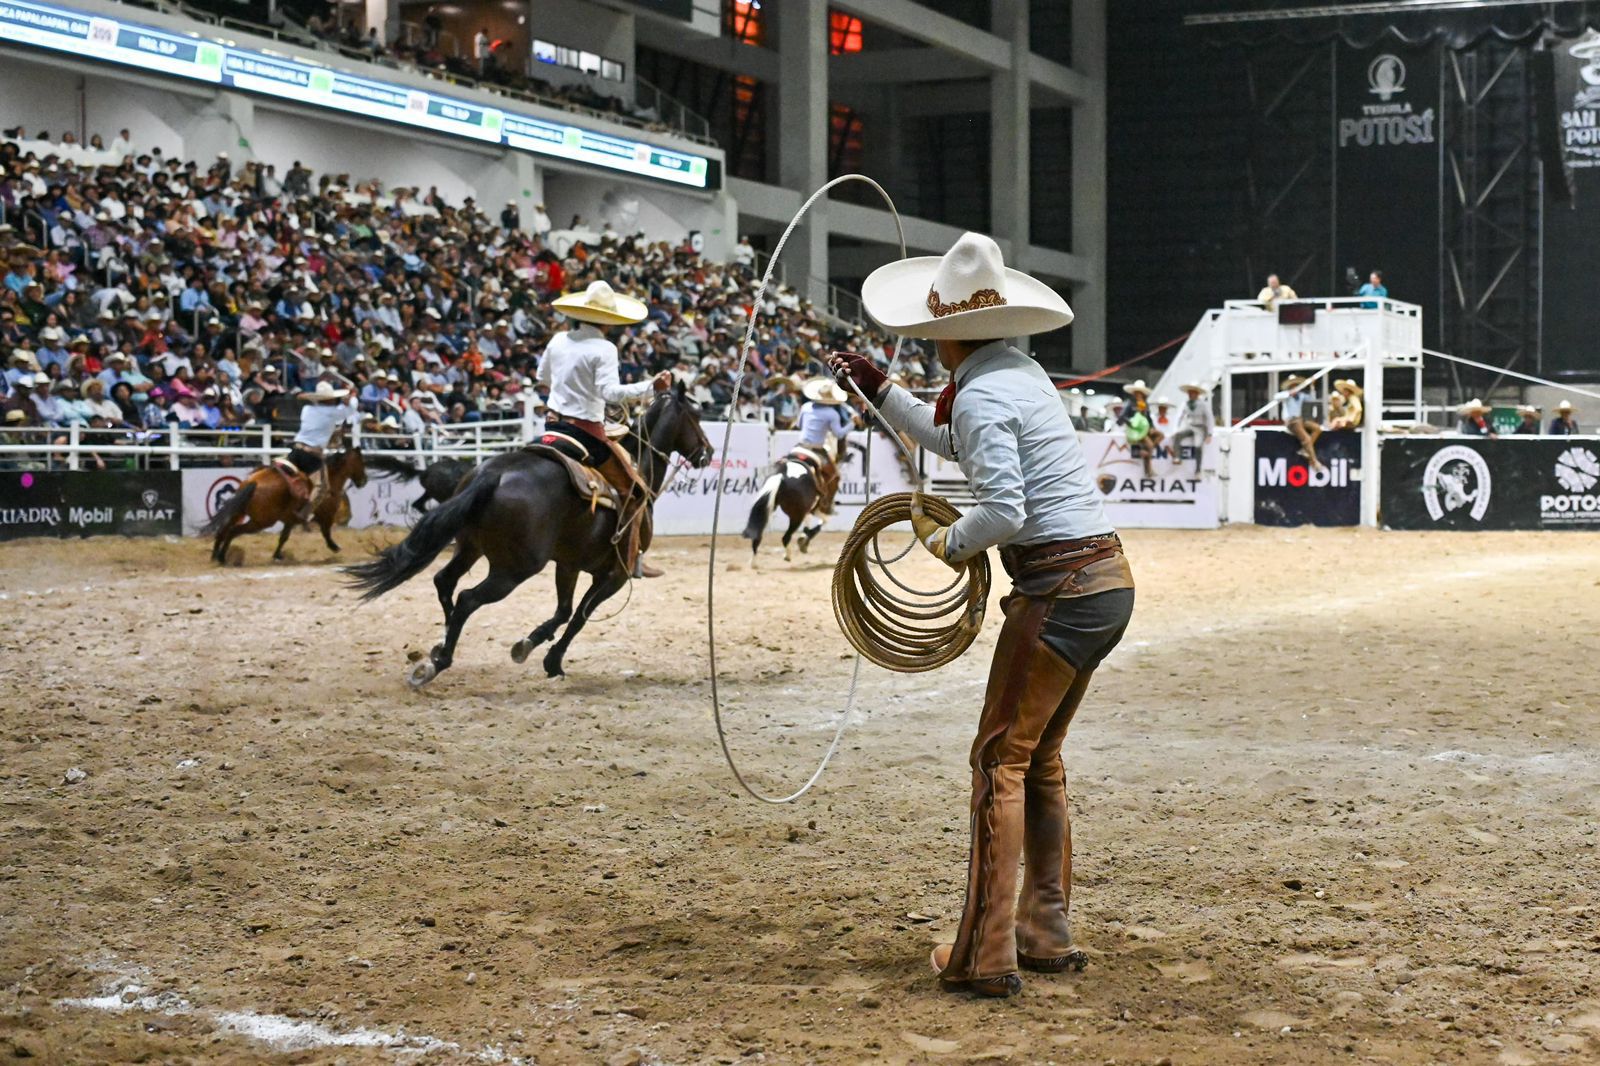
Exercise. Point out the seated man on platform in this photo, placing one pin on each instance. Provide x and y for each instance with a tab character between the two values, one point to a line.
1292	401
1529	426
1196	423
1473	420
1563	424
579	369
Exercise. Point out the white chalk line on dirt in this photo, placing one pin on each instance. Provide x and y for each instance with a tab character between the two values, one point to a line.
277	1031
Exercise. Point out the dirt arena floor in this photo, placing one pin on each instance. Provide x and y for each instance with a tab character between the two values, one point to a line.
1335	800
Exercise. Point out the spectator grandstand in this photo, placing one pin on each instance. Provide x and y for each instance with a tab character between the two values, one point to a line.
141	293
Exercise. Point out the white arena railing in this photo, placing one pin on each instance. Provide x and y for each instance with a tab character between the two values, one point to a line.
84	448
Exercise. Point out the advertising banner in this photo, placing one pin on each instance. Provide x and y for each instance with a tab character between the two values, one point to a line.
1386	139
1570	250
1510	483
686	503
64	503
380	502
1290	493
223	63
1174	496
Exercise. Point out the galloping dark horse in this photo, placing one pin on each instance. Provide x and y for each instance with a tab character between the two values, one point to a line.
439	481
521	511
794	490
266	499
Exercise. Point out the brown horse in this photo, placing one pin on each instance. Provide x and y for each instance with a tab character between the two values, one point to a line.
521	512
265	499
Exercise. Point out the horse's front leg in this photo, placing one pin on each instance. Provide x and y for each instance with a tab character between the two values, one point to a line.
566	582
605	586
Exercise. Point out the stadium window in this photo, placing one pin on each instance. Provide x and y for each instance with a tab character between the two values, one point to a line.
745	21
844	33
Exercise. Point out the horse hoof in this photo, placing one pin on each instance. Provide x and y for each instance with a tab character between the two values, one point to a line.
436	652
422	673
520	650
552	666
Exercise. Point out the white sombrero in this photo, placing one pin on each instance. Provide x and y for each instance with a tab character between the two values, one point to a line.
823	391
966	294
326	391
1474	406
602	305
1138	388
1190	386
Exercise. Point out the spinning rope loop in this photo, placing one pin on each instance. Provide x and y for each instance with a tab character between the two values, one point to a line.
899	632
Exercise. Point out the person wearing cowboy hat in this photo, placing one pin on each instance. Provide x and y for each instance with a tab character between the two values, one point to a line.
1529	426
1353	411
1473	419
824	415
328	409
1292	401
1072	596
579	370
1196	423
1563	424
1139	425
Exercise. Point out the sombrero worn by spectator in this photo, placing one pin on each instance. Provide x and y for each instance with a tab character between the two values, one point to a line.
1072	595
824	415
322	419
579	370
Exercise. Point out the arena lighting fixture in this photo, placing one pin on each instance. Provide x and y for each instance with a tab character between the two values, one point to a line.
1393	7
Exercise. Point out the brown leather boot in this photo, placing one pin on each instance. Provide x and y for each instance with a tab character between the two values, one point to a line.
1044	936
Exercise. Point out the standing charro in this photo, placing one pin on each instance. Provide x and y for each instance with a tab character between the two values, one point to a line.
579	370
1002	420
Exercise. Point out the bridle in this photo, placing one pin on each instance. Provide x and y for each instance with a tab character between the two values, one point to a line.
643	436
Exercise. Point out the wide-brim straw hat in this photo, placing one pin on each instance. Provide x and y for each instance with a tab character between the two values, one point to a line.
1138	388
1474	406
966	294
1295	380
1564	406
326	391
824	391
602	305
1347	385
1190	386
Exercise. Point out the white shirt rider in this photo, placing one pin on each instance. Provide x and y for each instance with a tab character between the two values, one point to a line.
579	368
319	422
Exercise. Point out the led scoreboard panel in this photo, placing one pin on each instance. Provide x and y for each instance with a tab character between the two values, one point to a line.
141	47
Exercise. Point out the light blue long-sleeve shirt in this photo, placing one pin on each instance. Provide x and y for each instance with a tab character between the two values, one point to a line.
1011	435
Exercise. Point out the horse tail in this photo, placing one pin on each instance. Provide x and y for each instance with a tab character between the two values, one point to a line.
762	508
230	512
392	466
396	565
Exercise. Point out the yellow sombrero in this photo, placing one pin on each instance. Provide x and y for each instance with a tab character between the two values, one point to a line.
602	305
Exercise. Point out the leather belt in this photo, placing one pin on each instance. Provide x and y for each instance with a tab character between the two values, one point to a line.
594	429
309	448
1057	556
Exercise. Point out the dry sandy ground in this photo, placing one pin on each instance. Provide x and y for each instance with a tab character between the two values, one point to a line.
1335	801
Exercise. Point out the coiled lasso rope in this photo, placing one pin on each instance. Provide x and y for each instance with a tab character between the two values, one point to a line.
887	628
909	630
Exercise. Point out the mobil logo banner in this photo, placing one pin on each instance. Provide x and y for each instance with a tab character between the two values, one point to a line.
1290	491
1172	492
85	503
1474	483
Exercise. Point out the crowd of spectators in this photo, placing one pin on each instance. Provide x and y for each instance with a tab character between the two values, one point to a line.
157	292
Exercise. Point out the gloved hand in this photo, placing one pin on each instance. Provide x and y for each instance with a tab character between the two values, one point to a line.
933	536
861	370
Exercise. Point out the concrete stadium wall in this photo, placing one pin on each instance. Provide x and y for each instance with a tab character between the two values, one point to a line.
661	214
43	96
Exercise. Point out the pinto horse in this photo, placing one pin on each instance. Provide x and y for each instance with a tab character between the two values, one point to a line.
521	512
795	491
266	499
